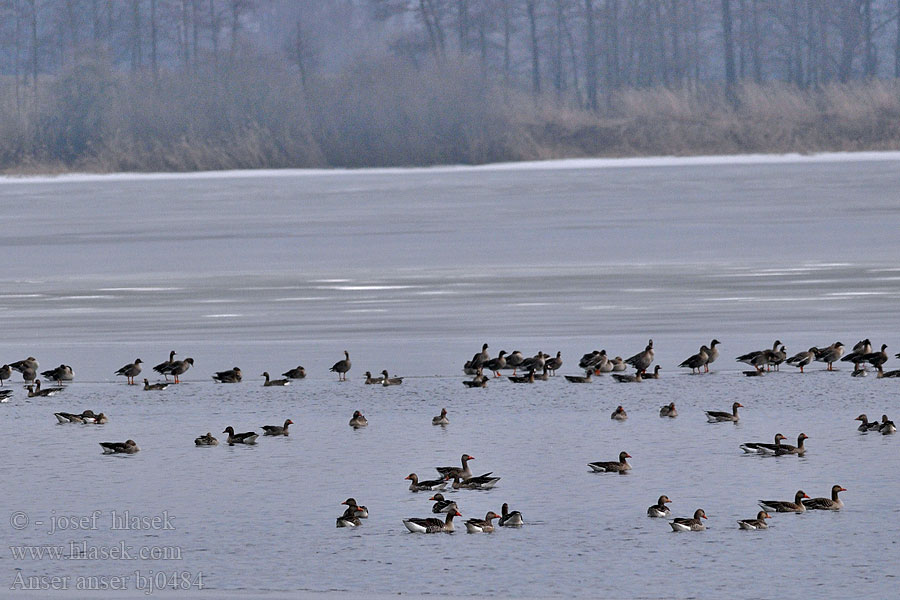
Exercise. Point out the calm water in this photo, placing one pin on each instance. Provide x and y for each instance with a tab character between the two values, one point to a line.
412	271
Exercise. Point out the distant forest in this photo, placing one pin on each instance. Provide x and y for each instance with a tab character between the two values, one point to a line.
181	85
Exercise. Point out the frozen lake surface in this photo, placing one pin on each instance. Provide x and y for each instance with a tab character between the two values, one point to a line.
411	271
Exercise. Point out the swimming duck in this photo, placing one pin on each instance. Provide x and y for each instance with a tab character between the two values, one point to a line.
619	466
660	509
233	375
715	416
274	382
833	503
619	414
277	429
441	419
297	373
693	524
887	426
866	425
479	482
785	506
248	437
36	391
430	485
131	370
387	380
5	395
126	447
373	380
464	471
523	378
636	378
510	518
349	518
431	525
763	448
586	378
64	417
442	505
668	410
358	420
485	525
206	440
154	386
758	523
799	449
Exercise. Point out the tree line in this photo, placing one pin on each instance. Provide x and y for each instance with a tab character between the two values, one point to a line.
188	84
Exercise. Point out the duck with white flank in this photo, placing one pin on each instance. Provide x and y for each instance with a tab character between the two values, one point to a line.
441	419
431	485
36	391
278	429
758	523
154	386
297	373
206	440
64	417
619	414
636	378
349	518
373	380
693	524
5	395
341	367
387	380
763	448
479	381
660	510
485	525
801	359
887	426
799	449
358	420
479	482
522	378
668	410
126	447
431	525
715	416
131	370
232	375
510	518
833	503
619	466
274	382
654	374
586	378
642	360
783	506
248	437
442	505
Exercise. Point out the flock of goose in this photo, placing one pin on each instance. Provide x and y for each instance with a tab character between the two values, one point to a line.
593	363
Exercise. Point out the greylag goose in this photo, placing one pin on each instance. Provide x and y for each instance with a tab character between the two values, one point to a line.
715	416
668	410
274	382
619	414
660	509
636	378
887	426
642	360
514	360
801	359
233	375
29	375
296	373
866	425
619	466
830	354
36	391
757	357
278	429
341	367
163	367
553	364
784	449
349	518
5	373
442	505
877	359
536	362
785	506
178	367
833	503
713	353
696	361
131	370
777	357
26	364
586	378
693	524
358	420
248	437
617	365
464	471
126	447
360	512
481	357
388	380
654	374
430	485
485	525
758	523
589	360
861	348
523	378
373	380
64	417
480	482
154	386
496	364
60	374
206	440
763	448
431	525
98	420
510	519
479	381
441	419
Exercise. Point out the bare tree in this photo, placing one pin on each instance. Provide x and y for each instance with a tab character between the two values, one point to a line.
730	79
535	50
590	55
